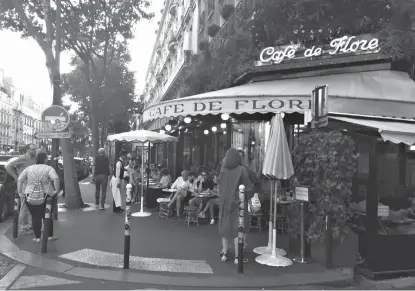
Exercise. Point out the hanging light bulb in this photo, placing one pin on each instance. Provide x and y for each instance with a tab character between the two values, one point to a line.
187	119
168	127
214	128
225	116
224	132
206	131
180	127
162	131
223	125
253	142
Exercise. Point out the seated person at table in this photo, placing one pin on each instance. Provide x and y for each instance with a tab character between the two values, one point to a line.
182	184
204	185
154	172
135	178
165	179
212	203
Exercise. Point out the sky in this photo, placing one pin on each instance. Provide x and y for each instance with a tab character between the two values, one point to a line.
24	61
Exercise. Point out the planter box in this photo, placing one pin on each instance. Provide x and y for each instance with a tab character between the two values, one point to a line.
344	254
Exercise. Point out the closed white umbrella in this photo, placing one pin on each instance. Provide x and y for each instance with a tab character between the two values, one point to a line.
277	165
144	137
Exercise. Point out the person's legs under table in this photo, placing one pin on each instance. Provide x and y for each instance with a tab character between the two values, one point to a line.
179	201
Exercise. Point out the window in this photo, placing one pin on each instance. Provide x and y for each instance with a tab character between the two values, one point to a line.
211	8
202	22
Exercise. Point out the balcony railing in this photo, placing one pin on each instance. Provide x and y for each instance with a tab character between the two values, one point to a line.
235	21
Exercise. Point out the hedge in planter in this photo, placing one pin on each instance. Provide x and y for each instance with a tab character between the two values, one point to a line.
325	162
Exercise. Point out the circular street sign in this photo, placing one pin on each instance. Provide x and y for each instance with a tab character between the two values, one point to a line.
55	118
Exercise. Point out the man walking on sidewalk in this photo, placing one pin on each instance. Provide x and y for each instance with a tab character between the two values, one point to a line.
100	173
14	168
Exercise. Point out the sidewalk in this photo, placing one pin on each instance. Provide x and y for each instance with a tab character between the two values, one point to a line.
163	252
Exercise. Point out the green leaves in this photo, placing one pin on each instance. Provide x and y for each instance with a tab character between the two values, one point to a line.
326	162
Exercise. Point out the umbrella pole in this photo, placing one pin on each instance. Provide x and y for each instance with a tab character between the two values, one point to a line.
274	230
148	163
270	227
142	176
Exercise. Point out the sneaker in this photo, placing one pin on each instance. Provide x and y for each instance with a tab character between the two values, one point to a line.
224	258
96	205
101	208
212	221
202	215
36	240
52	238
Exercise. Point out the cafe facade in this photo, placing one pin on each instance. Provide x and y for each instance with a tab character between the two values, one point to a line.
370	98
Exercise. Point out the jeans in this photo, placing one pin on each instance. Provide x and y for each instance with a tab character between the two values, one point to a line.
101	183
38	212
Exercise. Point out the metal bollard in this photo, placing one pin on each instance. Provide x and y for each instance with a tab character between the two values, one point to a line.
127	228
16	214
46	223
241	231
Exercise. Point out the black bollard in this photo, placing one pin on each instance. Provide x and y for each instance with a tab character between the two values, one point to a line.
127	228
46	223
329	241
241	231
16	214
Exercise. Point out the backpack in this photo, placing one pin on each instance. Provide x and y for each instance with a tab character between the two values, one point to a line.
38	195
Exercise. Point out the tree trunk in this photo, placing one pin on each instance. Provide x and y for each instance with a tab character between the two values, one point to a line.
95	134
73	198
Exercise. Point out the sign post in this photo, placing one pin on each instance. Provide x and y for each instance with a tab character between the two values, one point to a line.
301	194
55	121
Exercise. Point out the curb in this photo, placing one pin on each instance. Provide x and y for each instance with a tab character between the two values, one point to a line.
330	278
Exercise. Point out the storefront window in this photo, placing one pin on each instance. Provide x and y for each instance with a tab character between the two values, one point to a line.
251	137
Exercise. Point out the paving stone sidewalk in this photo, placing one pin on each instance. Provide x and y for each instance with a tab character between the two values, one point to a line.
6	264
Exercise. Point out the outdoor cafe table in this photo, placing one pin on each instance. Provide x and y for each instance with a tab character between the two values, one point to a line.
153	193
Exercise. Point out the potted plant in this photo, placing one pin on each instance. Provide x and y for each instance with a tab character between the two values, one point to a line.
226	11
172	44
326	162
203	45
213	30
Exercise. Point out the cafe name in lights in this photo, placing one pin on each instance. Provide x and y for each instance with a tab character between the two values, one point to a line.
342	45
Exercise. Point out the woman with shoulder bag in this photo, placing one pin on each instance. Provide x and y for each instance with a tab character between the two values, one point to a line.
38	180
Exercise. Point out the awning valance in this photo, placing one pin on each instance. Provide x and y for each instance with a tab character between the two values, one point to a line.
393	131
377	93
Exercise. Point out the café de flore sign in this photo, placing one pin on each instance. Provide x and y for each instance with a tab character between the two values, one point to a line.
342	45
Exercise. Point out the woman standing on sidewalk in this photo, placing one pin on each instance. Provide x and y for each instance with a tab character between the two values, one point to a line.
231	176
38	180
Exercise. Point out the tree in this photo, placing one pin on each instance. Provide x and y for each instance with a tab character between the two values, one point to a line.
90	28
120	97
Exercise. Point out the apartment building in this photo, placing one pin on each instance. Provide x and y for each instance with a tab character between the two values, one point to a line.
186	28
20	116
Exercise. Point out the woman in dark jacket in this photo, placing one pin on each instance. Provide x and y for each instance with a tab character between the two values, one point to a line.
230	177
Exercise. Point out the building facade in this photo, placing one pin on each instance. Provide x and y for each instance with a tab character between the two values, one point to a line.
20	117
186	28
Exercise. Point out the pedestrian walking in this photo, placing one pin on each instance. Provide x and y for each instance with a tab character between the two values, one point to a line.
38	179
118	183
100	173
14	168
230	177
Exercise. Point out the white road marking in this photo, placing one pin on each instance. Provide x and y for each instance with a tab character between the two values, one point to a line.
36	281
11	276
106	259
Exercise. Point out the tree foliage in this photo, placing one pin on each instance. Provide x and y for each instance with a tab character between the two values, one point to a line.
326	162
96	30
119	102
308	22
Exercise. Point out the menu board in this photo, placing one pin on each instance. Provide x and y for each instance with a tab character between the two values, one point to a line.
301	193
